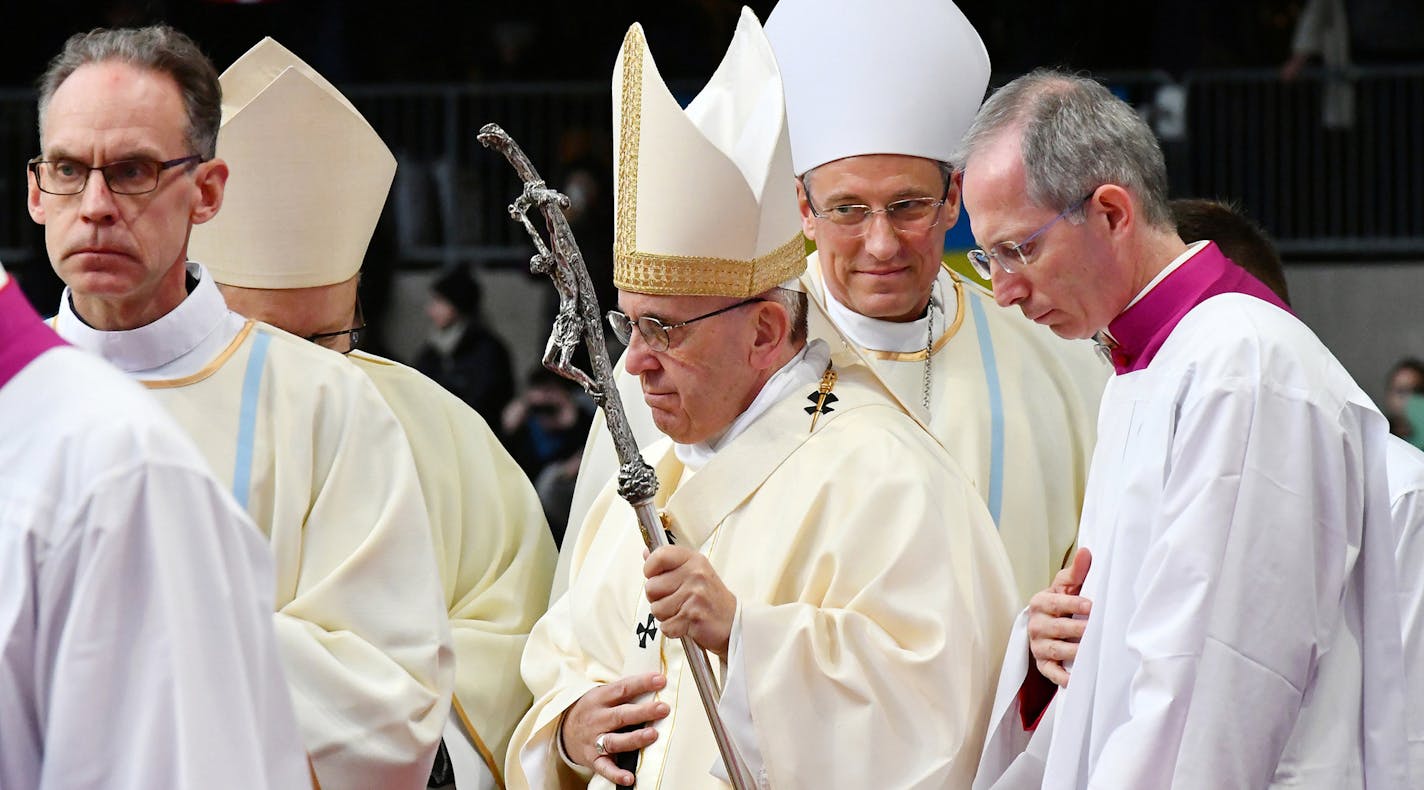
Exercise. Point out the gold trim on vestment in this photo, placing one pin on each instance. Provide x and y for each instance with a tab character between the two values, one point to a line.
916	356
630	118
691	275
209	369
479	742
677	275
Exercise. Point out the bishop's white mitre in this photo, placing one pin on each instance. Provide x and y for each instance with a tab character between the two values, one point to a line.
309	177
705	198
882	77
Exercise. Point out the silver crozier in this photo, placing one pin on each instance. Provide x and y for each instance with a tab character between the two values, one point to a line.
579	319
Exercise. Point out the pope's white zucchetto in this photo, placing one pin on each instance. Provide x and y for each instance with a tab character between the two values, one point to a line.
876	77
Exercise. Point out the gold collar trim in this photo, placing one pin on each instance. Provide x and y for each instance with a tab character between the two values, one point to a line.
209	369
916	356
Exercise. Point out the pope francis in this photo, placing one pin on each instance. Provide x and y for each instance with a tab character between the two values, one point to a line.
877	96
826	549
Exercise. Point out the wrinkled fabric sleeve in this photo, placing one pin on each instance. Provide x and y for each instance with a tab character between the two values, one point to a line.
1258	524
172	593
878	672
1407	509
558	670
364	635
1007	738
501	584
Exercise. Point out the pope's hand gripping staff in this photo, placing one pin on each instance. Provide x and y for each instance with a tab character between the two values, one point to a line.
578	319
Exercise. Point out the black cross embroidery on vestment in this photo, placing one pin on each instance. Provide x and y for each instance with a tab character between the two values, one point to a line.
820	405
648	632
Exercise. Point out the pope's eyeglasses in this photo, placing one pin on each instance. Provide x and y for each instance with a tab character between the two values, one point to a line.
655	332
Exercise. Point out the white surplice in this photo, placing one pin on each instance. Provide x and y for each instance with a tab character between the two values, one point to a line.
1406	506
325	471
136	640
1242	554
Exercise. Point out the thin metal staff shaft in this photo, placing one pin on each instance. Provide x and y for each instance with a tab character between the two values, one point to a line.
578	320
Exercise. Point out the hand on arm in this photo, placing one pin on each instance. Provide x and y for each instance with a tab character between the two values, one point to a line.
689	599
605	710
1053	633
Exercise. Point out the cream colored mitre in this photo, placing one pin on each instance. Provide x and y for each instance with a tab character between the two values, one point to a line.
309	177
883	77
705	199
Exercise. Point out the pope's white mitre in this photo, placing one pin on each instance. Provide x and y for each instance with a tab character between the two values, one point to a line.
882	77
705	198
308	178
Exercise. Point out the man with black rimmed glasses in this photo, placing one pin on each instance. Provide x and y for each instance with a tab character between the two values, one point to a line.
288	249
303	439
1237	550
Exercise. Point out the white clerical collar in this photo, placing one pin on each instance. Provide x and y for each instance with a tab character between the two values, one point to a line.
879	335
194	325
804	369
4	278
1192	249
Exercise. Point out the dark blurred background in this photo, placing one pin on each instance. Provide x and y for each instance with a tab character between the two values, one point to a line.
469	40
1328	156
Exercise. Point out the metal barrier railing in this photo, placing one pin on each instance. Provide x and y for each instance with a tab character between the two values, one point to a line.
20	238
1330	164
450	194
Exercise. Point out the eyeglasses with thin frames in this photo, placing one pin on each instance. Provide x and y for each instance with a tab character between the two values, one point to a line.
1005	251
655	332
332	340
125	177
910	215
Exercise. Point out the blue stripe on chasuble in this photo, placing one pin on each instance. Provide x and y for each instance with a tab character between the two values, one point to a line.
996	411
247	418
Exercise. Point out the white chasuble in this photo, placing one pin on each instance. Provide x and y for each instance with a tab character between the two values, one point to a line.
873	601
1014	404
324	470
494	550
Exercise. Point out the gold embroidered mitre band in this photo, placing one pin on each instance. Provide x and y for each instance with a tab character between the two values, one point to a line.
309	178
705	198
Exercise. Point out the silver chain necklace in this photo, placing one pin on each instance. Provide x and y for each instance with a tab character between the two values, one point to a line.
929	344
